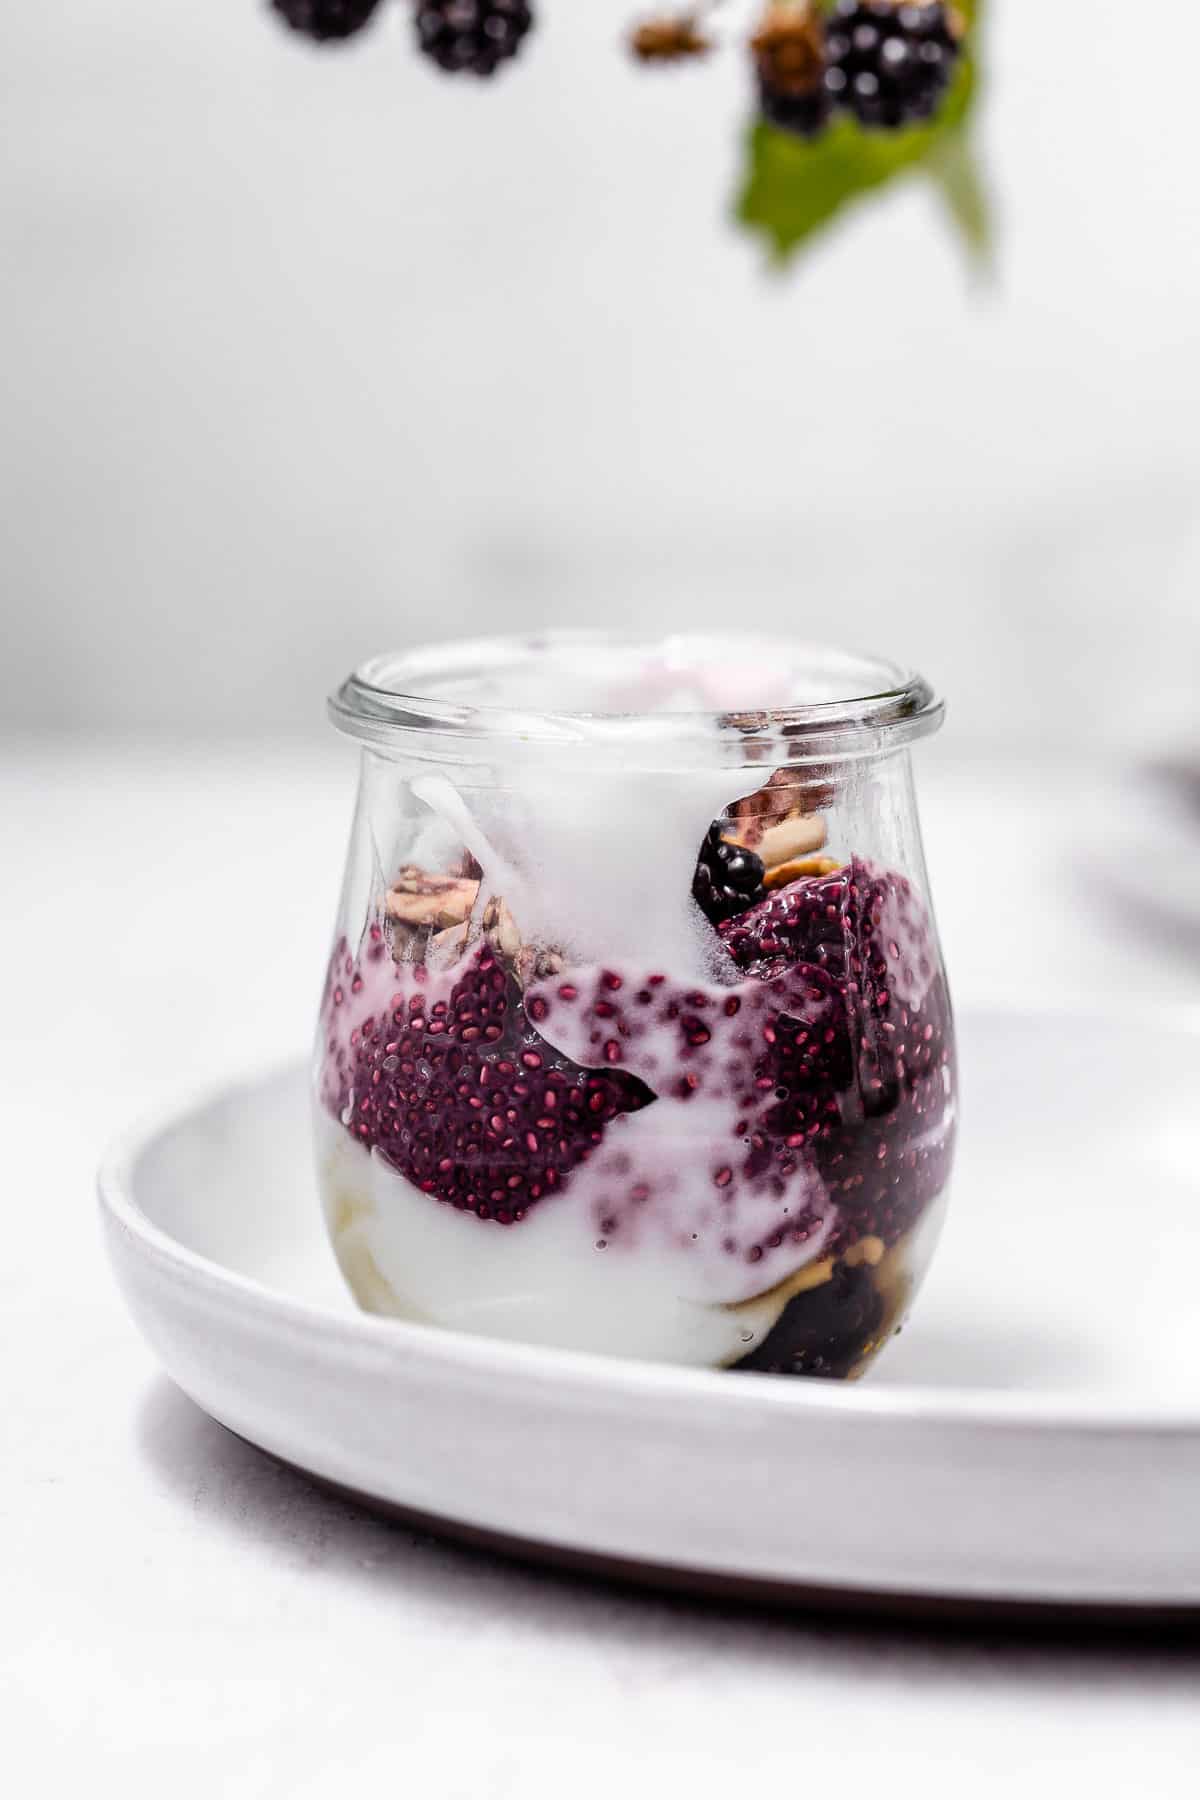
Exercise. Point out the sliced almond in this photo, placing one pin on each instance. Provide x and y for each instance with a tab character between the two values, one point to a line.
799	867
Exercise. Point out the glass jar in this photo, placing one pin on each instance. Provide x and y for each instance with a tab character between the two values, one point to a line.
635	1036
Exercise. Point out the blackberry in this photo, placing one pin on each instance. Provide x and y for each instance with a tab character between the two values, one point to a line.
865	1081
325	20
825	1331
728	879
471	35
889	64
804	115
789	57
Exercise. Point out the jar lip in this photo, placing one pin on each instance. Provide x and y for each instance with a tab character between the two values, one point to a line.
845	704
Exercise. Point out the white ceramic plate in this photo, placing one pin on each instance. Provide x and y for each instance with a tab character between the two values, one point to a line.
1031	1441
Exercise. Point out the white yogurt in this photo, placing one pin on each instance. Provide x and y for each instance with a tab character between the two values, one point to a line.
540	1282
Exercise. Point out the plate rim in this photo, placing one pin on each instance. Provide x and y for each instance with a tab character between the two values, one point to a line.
940	1608
996	1410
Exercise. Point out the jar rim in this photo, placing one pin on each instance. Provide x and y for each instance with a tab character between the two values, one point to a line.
846	703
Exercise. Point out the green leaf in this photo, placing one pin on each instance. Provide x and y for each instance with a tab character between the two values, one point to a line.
955	172
794	188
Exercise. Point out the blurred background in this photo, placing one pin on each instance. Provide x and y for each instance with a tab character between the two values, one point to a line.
312	351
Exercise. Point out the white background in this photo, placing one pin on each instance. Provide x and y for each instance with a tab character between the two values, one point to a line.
306	355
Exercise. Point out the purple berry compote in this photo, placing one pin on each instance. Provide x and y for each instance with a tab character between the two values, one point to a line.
657	1062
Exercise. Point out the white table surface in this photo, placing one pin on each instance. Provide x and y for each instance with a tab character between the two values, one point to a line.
180	1615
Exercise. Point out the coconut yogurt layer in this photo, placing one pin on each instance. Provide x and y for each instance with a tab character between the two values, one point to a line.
405	1257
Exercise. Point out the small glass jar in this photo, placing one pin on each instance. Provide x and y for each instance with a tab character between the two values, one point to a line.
635	1036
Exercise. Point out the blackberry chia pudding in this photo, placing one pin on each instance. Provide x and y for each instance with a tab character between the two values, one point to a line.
635	1036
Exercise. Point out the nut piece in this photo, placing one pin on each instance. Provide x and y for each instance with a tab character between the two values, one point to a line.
668	38
772	802
806	788
500	929
789	48
800	866
797	835
537	964
418	898
528	962
867	1250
